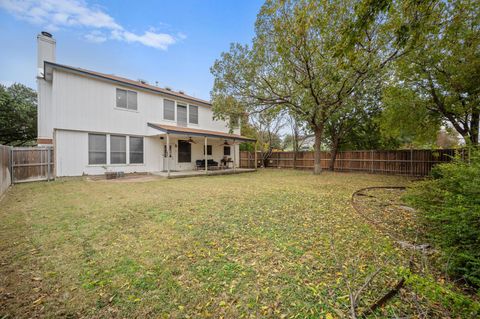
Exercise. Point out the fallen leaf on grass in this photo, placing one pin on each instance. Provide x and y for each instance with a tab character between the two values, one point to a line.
38	301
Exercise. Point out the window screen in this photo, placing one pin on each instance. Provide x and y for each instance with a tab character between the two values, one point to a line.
118	149
136	150
97	149
126	99
193	114
121	98
181	115
226	150
168	110
132	100
209	150
184	152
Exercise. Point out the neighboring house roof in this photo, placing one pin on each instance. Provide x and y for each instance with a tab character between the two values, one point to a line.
113	78
198	132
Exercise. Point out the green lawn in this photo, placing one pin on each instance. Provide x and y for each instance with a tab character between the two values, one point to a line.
275	243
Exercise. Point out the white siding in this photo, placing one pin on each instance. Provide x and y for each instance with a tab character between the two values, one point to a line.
73	105
83	103
71	151
44	109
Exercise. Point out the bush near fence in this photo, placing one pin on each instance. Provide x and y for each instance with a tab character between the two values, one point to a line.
397	162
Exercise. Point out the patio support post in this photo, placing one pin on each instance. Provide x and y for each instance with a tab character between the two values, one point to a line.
206	160
234	155
255	155
168	155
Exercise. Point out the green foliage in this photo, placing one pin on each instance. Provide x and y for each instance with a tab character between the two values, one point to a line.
440	77
406	117
450	203
18	115
306	60
356	126
442	293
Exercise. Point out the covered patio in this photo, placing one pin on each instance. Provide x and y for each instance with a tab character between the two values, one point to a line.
193	152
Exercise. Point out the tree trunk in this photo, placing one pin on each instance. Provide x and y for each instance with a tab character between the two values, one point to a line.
317	169
474	127
333	154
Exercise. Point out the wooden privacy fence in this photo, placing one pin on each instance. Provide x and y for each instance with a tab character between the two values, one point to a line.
31	164
398	162
5	174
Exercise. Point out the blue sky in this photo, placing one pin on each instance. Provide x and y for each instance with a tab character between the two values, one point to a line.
172	42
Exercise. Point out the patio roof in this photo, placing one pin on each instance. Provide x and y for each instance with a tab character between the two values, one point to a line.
170	129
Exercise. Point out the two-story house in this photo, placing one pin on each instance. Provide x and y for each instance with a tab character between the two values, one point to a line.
101	122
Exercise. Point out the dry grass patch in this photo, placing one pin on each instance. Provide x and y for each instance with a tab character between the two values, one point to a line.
266	244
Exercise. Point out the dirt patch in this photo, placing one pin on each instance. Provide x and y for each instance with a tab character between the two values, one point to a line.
383	208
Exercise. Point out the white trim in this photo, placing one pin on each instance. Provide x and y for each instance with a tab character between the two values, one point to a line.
108	149
128	110
126	99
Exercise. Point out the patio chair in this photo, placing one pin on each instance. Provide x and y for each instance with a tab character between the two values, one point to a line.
200	164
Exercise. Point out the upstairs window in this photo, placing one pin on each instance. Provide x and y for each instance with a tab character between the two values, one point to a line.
181	115
126	99
118	149
168	110
97	149
193	114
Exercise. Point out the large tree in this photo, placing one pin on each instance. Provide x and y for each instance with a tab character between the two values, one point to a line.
308	57
18	115
439	81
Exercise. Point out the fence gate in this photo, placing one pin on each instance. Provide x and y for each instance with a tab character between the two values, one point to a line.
31	164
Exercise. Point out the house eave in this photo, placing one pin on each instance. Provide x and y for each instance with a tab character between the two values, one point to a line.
50	66
220	135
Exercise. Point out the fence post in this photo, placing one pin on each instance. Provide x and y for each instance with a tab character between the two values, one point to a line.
11	165
411	161
48	165
371	161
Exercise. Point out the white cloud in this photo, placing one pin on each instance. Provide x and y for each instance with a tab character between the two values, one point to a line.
157	40
96	37
100	26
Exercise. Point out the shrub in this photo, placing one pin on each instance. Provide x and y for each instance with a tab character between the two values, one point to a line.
450	205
